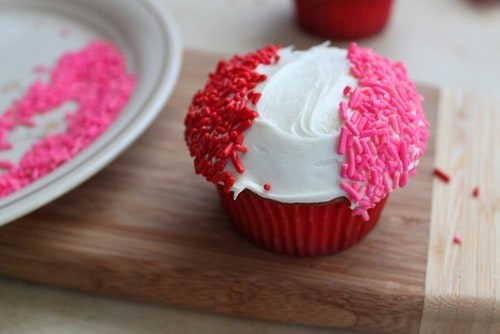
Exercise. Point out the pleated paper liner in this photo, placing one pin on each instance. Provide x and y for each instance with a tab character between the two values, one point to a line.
298	229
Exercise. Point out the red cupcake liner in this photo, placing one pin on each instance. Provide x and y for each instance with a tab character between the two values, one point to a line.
343	19
298	229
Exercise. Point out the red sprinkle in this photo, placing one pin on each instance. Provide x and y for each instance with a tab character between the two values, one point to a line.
221	112
475	191
457	239
441	174
267	186
96	79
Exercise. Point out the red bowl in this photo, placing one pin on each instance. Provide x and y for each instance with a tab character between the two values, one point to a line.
343	19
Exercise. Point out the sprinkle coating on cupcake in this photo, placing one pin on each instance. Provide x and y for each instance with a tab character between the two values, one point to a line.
350	121
385	131
219	114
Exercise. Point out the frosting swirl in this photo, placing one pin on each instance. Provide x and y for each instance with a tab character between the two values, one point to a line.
303	91
291	142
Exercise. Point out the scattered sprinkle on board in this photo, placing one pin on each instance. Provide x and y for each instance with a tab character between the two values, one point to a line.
442	175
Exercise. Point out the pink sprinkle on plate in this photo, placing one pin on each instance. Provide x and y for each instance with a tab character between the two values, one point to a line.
34	35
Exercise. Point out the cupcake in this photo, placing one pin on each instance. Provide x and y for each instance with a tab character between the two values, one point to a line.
304	147
343	19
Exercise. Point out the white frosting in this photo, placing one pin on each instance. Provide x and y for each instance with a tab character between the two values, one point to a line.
292	143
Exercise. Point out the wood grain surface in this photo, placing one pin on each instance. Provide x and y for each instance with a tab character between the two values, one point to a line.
463	279
147	228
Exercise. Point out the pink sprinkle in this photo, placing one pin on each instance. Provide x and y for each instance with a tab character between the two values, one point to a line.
368	133
354	101
475	191
386	128
343	111
403	179
343	171
396	178
361	123
394	123
342	141
351	160
403	152
350	191
355	117
352	128
5	164
457	239
94	77
366	148
357	146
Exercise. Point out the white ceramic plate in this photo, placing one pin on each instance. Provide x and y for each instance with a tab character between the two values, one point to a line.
34	32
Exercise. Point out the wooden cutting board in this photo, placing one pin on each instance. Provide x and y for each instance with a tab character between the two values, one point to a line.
147	228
